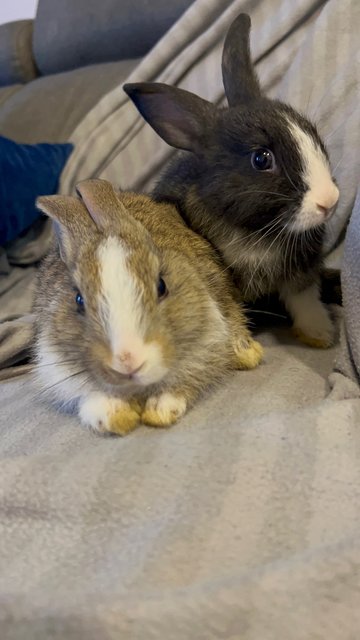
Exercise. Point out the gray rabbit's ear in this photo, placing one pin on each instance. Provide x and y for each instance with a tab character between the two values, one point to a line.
179	117
240	80
72	223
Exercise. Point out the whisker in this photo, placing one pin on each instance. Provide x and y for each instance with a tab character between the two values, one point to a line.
232	264
72	375
281	196
328	137
52	364
269	231
240	238
262	260
338	163
267	313
309	98
290	180
324	95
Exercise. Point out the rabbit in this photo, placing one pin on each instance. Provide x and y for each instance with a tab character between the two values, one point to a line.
135	314
254	179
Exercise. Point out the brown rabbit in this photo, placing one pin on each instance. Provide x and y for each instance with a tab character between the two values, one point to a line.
135	314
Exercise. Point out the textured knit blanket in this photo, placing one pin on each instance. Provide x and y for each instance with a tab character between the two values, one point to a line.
241	522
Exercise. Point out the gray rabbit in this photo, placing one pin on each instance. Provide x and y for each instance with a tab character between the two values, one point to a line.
254	179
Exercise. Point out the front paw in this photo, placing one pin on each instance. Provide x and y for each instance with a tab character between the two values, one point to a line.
164	410
248	354
319	333
105	414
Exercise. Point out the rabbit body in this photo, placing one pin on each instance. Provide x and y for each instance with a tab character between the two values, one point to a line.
254	179
135	314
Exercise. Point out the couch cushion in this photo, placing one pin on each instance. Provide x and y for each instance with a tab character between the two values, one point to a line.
48	109
70	34
16	57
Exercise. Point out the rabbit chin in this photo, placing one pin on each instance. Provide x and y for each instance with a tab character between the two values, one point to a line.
151	373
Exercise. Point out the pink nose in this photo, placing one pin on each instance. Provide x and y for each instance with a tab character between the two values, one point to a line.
125	357
327	200
127	363
324	211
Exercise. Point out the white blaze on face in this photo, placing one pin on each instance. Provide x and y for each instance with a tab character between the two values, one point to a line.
322	194
121	311
120	302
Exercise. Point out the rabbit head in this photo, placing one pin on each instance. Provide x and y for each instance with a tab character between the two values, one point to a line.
260	164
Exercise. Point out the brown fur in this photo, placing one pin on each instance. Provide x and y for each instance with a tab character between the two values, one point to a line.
196	349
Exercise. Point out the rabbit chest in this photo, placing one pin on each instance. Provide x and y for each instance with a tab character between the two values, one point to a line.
261	266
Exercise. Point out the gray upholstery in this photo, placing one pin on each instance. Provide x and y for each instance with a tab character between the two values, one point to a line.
49	108
6	92
70	34
16	58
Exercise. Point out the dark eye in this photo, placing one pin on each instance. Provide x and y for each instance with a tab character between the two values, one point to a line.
161	289
263	160
79	301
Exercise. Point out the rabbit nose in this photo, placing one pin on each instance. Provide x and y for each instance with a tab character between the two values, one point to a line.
328	200
127	363
323	210
124	357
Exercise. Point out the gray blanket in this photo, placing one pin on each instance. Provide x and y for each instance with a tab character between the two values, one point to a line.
241	522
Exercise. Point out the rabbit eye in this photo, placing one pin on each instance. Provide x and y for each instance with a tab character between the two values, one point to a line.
161	289
79	302
263	160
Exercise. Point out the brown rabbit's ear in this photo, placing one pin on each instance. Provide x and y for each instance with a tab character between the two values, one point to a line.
240	80
101	201
72	222
179	117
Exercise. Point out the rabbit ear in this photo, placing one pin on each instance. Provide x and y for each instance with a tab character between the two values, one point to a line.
101	201
72	222
179	117
66	210
240	81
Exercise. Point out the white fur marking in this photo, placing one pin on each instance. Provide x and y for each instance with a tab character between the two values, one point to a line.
120	301
122	313
322	190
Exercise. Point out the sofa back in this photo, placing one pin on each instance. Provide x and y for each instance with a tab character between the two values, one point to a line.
75	33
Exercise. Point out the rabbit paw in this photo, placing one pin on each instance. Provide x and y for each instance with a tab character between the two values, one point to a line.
248	353
109	415
323	340
312	321
317	330
163	410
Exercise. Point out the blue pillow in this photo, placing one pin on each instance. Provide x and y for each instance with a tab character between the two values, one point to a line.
26	172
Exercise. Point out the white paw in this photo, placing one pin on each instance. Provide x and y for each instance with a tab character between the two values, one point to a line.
312	322
315	329
105	414
164	410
